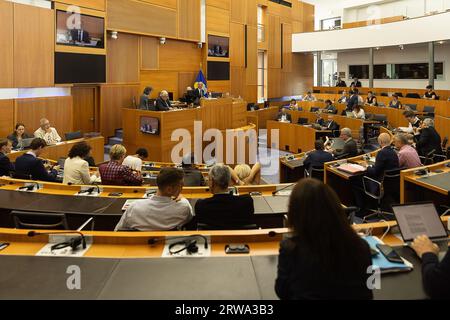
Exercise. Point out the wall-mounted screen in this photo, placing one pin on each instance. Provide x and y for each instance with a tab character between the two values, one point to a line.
79	30
79	68
149	125
218	46
218	70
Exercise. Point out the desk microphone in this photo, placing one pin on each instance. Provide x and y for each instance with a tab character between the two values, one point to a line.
74	243
274	193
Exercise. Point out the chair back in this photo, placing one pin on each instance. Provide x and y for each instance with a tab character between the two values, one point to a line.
73	135
373	188
39	220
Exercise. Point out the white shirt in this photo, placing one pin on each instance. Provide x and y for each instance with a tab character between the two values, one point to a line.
156	213
134	163
51	137
76	171
359	115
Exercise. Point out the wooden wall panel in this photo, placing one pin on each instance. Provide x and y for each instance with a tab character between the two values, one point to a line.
6	44
33	46
223	4
237	45
179	56
297	26
239	11
238	83
58	110
113	99
185	79
287	48
308	17
123	59
91	4
189	18
7	117
274	34
217	20
141	18
219	86
163	3
160	80
274	83
252	17
252	56
149	53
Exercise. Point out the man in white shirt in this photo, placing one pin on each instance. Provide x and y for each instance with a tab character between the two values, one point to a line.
135	162
47	133
166	210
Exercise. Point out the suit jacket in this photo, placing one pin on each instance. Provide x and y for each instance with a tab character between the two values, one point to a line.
341	84
193	178
162	105
6	167
198	94
350	149
386	160
428	141
225	210
76	36
357	84
331	125
144	103
352	102
13	138
317	158
28	165
288	117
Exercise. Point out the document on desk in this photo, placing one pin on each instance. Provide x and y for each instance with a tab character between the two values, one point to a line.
176	247
47	251
351	168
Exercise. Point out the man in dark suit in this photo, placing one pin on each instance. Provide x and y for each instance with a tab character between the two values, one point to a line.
356	83
429	139
29	164
340	83
192	176
284	116
330	124
386	159
200	92
223	210
80	35
6	167
352	101
350	148
317	158
163	102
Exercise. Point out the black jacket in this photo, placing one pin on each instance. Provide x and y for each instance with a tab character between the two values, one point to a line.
193	178
6	167
357	84
341	84
331	125
15	141
317	158
386	160
350	149
428	141
352	102
288	117
224	210
300	278
28	165
436	276
162	105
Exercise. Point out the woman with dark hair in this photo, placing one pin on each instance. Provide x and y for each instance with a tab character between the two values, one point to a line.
18	135
76	169
324	258
358	112
144	103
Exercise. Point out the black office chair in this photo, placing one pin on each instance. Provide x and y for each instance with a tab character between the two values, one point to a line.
207	226
428	159
399	94
412	107
350	212
384	94
314	109
315	173
413	95
391	185
39	220
374	189
73	135
429	111
302	121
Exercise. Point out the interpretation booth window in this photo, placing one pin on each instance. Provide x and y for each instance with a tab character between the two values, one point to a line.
150	125
397	71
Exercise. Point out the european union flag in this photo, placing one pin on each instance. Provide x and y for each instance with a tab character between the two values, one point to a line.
201	78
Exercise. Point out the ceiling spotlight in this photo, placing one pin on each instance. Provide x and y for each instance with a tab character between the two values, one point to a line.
401	47
441	42
114	35
377	48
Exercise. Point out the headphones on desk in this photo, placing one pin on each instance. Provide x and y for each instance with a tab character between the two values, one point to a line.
189	245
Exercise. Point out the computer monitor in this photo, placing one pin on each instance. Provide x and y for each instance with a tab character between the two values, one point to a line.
418	219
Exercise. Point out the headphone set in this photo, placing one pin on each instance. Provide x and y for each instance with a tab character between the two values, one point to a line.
188	244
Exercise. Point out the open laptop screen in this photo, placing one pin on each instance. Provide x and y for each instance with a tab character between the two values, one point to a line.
419	219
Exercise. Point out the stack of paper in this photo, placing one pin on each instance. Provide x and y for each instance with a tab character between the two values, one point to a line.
351	168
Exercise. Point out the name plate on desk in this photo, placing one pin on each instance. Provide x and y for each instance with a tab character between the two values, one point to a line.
47	251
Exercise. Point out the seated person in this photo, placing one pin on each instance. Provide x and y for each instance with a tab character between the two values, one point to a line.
189	97
18	135
166	210
430	94
358	112
344	97
243	175
407	156
163	102
319	120
429	139
135	162
193	177
116	174
314	262
46	132
31	166
6	167
309	97
386	159
76	169
414	123
356	83
330	124
200	92
284	116
352	101
395	103
435	274
350	148
144	103
294	106
223	210
329	107
340	82
371	100
318	157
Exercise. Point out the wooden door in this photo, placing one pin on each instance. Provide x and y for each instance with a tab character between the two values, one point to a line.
85	108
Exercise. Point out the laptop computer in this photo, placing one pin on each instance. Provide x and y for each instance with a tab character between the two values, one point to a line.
349	114
26	143
418	219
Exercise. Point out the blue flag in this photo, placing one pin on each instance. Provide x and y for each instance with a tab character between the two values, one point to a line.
201	78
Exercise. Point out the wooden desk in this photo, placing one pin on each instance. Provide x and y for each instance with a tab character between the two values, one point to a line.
414	188
261	116
61	150
292	170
